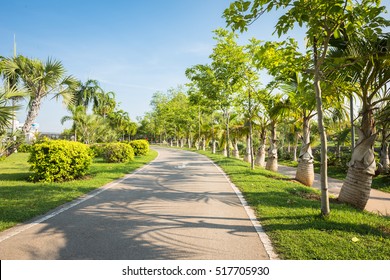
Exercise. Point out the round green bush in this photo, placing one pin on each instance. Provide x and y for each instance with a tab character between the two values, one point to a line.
98	149
118	152
59	160
140	147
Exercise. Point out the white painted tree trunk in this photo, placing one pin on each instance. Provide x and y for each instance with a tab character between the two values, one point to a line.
248	156
357	185
260	156
305	170
272	161
236	152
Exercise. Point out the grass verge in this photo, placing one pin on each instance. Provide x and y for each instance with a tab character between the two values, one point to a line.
290	214
22	200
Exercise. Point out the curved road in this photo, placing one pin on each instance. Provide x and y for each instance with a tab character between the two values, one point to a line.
178	207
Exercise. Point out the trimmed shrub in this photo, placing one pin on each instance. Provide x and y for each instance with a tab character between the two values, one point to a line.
140	147
59	160
98	149
118	152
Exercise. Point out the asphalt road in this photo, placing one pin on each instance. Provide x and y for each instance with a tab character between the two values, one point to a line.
178	207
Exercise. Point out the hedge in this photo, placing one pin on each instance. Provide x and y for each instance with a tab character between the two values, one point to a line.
59	160
98	149
118	152
140	147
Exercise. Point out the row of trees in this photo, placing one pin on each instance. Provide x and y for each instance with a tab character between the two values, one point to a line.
96	117
346	62
92	110
359	62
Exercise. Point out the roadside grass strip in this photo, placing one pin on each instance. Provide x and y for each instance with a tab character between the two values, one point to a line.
22	200
290	215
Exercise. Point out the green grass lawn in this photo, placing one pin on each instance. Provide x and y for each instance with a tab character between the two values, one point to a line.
22	200
290	214
380	182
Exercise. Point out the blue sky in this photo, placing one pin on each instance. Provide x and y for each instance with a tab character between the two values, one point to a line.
133	48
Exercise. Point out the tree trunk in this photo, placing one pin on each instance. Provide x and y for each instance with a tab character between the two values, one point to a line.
236	152
214	146
260	157
250	142
357	186
272	161
224	151
325	208
248	156
295	150
385	161
227	134
384	154
204	144
32	114
305	170
351	120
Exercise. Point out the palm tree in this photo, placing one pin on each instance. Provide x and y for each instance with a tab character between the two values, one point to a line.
7	110
40	79
120	122
92	127
261	123
301	102
88	93
369	70
272	107
78	115
104	103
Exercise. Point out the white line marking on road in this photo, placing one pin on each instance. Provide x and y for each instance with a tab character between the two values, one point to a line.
23	227
251	214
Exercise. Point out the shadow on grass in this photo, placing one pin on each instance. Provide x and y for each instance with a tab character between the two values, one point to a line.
21	176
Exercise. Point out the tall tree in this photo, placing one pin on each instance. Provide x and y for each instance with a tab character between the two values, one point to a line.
369	60
78	115
40	79
104	103
301	101
323	22
88	93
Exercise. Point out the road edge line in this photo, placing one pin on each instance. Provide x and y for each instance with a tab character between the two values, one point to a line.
251	215
62	208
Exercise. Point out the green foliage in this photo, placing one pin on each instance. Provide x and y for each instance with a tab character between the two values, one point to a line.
98	149
140	147
22	200
59	160
118	152
7	110
39	80
289	215
24	148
